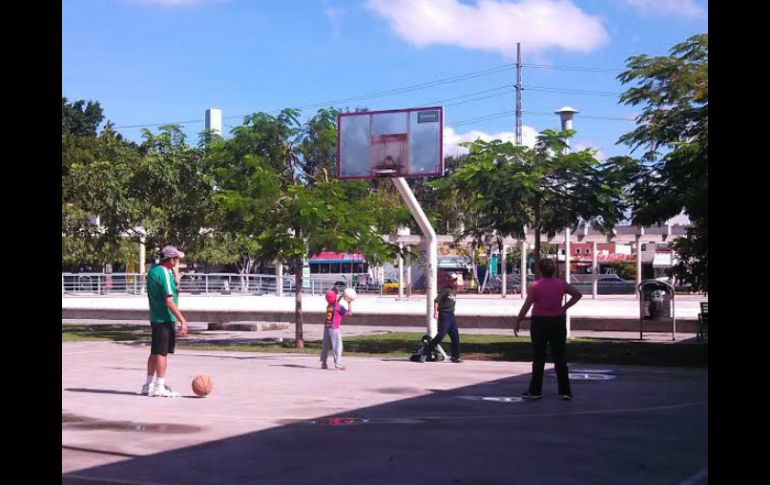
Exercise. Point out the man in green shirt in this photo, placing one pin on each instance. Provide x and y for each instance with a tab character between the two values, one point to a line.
164	316
444	311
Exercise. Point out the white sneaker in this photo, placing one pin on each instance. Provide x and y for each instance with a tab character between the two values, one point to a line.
146	389
163	391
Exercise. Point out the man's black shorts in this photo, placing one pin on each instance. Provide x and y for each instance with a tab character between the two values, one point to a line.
163	338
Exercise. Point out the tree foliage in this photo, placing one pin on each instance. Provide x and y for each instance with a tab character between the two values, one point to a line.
547	188
273	186
97	172
672	133
80	119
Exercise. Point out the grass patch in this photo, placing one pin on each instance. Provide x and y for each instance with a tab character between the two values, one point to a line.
497	348
402	344
82	333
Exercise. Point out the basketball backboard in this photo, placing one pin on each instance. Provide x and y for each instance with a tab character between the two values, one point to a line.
392	143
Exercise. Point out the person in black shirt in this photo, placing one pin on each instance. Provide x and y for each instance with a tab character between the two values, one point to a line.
444	311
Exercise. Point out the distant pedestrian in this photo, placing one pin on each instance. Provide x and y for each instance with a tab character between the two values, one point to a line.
444	312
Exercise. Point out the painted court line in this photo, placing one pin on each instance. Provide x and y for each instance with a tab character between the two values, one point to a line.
83	352
692	480
109	480
103	452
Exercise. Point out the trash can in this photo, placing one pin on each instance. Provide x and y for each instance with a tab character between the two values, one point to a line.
656	303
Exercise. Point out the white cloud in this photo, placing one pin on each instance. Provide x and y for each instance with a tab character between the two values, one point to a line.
334	14
177	3
682	219
582	145
493	25
452	139
682	8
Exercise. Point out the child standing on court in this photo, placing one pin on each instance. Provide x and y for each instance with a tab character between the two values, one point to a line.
332	336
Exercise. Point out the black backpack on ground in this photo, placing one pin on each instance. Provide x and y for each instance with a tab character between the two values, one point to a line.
424	342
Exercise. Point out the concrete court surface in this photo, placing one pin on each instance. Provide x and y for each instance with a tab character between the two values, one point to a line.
417	423
612	306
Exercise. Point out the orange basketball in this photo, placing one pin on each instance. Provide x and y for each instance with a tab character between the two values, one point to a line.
202	385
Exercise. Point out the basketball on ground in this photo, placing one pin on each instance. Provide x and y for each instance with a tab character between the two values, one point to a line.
202	385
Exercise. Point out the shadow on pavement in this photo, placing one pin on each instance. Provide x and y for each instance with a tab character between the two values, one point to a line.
639	428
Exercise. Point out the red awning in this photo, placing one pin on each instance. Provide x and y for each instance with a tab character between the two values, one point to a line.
335	257
603	258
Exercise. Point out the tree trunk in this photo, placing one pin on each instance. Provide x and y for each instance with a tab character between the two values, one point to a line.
489	268
537	251
474	268
299	342
537	240
488	255
239	265
245	271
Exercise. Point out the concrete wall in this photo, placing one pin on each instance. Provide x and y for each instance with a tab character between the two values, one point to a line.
385	319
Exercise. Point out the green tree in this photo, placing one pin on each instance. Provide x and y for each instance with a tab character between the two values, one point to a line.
161	188
80	119
546	250
173	187
672	131
623	269
273	186
96	187
318	145
230	248
546	188
448	210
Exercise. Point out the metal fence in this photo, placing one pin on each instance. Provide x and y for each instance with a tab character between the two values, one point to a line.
213	284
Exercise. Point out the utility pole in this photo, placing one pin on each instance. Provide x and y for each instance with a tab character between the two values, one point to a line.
518	94
523	270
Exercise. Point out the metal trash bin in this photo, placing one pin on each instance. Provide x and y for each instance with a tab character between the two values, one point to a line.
656	302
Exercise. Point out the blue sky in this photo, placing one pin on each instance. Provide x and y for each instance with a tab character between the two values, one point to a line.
157	61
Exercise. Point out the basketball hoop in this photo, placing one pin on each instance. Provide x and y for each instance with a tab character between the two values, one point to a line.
391	143
385	172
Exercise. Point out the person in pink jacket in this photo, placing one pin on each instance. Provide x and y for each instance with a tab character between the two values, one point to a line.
548	325
332	336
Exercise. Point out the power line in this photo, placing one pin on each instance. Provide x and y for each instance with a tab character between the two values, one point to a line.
491	116
574	68
406	89
161	124
582	116
571	91
601	137
376	94
476	99
438	101
502	114
459	123
430	84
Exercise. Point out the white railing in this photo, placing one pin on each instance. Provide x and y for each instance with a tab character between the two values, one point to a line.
214	284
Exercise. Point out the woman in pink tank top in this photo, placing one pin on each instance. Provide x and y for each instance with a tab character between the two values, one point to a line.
548	325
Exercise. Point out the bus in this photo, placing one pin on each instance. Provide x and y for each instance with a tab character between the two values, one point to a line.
348	269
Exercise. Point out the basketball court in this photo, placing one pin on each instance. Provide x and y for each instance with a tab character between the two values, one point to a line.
279	418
